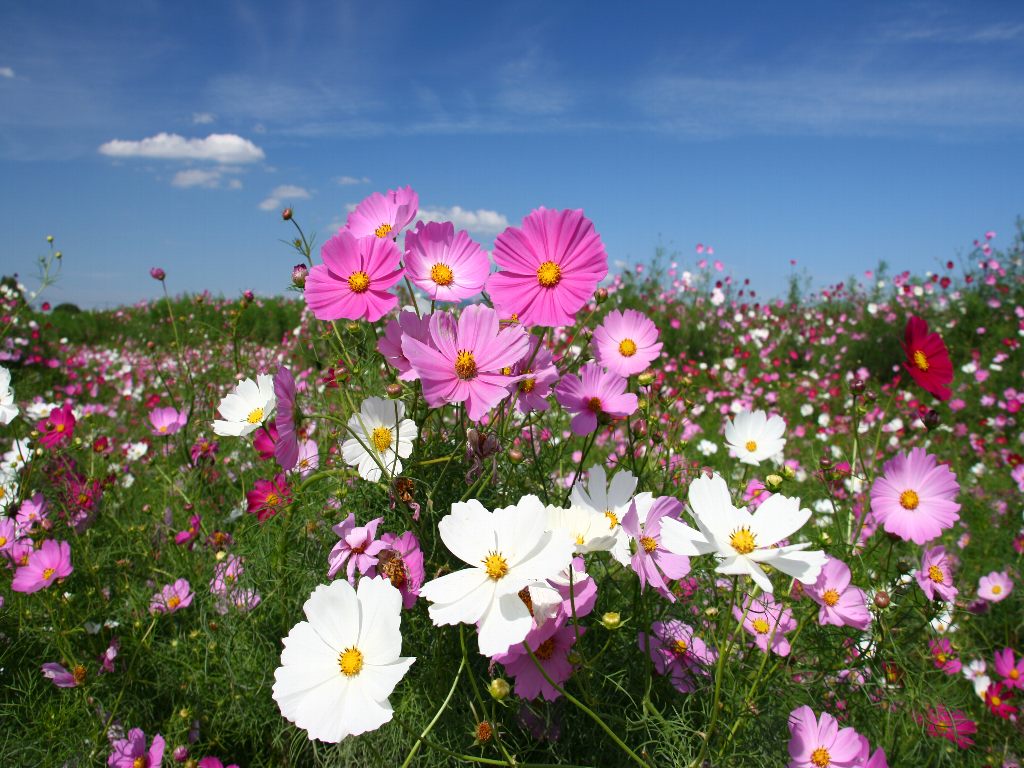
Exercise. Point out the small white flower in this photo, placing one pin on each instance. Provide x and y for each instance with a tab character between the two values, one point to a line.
612	499
507	550
707	448
974	671
246	407
8	409
8	492
340	665
15	459
135	451
381	435
589	530
752	437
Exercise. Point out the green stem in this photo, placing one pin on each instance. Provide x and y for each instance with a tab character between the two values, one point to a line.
437	716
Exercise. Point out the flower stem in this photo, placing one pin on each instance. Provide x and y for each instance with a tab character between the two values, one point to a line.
437	716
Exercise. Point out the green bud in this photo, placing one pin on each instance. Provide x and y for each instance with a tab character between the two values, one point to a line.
773	482
499	689
611	620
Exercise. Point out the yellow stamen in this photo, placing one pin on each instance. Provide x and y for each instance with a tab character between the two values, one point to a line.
350	661
751	446
545	649
760	626
830	598
79	673
821	758
594	405
359	282
383	230
680	646
627	347
59	428
162	428
935	574
648	544
48	572
495	565
527	385
382	439
272	499
1014	674
465	365
996	589
613	519
549	274
921	360
580	541
909	499
255	416
140	762
3	540
441	274
174	602
743	541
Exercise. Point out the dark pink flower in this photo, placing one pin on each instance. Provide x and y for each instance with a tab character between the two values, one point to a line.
944	656
354	280
286	448
551	644
401	562
998	697
132	753
951	724
1010	670
58	427
190	534
268	497
595	392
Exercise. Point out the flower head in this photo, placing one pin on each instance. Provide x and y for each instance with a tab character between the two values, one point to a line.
821	743
358	548
767	621
678	653
995	586
246	407
354	279
45	565
536	374
286	447
400	561
58	427
8	409
551	643
935	576
381	436
951	724
167	421
384	216
595	392
842	604
446	264
753	437
653	562
268	497
927	359
132	753
626	342
914	497
172	598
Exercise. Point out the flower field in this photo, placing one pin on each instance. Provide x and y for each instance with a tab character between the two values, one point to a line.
448	507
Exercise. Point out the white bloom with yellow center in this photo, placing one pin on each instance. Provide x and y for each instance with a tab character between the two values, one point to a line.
508	550
589	530
8	409
611	500
742	540
246	407
380	436
340	665
753	437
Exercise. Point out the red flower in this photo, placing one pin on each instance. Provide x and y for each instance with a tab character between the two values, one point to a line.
927	359
268	497
58	427
946	723
997	697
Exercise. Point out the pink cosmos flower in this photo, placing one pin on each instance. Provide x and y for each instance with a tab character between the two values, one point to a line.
997	698
286	448
842	605
652	562
935	576
944	656
58	427
595	392
215	762
914	498
401	562
951	724
166	421
8	533
61	677
264	439
877	760
677	652
446	264
390	346
108	656
1010	670
551	643
268	497
32	513
465	362
767	621
50	562
358	548
384	216
818	743
995	586
538	372
190	534
308	458
172	598
132	752
226	574
353	281
626	342
549	268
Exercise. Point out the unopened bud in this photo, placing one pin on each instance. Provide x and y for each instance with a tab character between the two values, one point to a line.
773	482
299	274
393	390
58	255
601	295
249	296
499	689
825	463
351	327
788	473
286	214
857	386
931	419
157	274
611	620
881	599
49	238
645	379
515	455
180	754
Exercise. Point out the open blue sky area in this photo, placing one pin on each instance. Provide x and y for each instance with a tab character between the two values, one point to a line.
172	134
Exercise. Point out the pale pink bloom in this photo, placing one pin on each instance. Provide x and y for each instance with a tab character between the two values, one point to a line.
842	604
50	562
384	216
995	586
358	548
915	497
626	342
446	264
172	598
390	346
935	576
167	421
767	621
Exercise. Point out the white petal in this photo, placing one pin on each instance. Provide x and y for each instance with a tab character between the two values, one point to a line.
506	623
333	611
468	532
777	518
381	679
380	608
460	597
680	539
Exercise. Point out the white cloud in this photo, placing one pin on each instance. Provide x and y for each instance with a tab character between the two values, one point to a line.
7	72
235	184
283	194
347	181
197	177
480	221
217	147
203	118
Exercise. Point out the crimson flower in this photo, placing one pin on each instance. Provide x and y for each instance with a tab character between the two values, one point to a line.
927	358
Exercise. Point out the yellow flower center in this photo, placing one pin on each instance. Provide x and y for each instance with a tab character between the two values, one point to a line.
909	499
79	673
921	360
3	540
495	565
935	574
465	364
59	428
394	570
648	544
821	758
580	541
350	661
255	416
272	499
1014	674
162	428
743	541
549	274
627	347
680	646
48	572
996	701
996	589
441	274
751	446
527	385
760	626
613	519
383	230
359	282
830	598
174	602
545	649
382	439
140	762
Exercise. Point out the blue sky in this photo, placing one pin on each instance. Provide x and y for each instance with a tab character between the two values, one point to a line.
822	132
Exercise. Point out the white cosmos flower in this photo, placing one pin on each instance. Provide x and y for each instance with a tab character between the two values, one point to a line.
589	530
246	407
507	550
752	437
340	665
8	410
612	499
15	459
8	491
741	540
380	435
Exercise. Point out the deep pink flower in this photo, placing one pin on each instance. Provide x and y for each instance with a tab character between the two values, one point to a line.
401	562
358	548
286	449
677	652
190	534
995	586
58	427
951	724
538	372
548	269
997	698
264	439
927	359
157	273
1010	670
50	562
652	562
172	598
268	497
166	421
464	363
204	449
132	752
935	576
61	677
842	604
626	342
595	392
944	656
818	743
214	762
384	216
767	621
446	264
390	346
353	281
551	643
914	498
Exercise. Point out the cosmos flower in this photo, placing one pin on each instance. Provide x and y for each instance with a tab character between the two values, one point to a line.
132	753
354	279
61	677
308	458
588	530
341	664
536	374
548	269
678	653
400	561
50	562
8	408
167	421
927	359
997	698
767	621
446	264
753	437
935	576
914	497
551	644
390	345
626	342
612	499
507	550
595	392
950	724
821	743
842	604
1011	670
57	428
358	548
246	407
384	216
380	435
286	447
995	586
268	497
172	598
944	656
652	561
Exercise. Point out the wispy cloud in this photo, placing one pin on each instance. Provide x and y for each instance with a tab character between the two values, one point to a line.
210	178
283	194
203	118
957	34
348	181
217	147
479	222
7	72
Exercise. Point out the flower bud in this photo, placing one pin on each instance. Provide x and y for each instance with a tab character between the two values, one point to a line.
611	620
249	296
394	390
601	296
49	238
180	754
773	482
286	214
645	379
515	455
857	386
931	419
499	689
788	473
484	732
58	255
882	599
157	274
352	327
299	273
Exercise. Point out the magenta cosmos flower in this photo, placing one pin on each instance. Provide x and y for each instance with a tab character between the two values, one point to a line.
268	497
654	564
286	447
822	743
951	724
914	498
384	216
464	363
842	604
551	643
166	421
549	268
50	562
595	392
401	562
1010	669
58	427
172	597
358	548
132	752
538	372
995	586
626	342
677	652
446	264
61	677
353	281
767	621
935	576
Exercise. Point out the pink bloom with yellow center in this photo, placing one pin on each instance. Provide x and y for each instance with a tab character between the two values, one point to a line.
448	265
767	621
842	604
915	497
1011	670
384	216
172	598
626	342
166	421
821	743
935	576
595	392
354	279
268	497
995	586
50	562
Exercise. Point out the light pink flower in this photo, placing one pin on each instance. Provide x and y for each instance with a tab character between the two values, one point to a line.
595	392
353	281
626	342
654	564
767	621
390	346
448	265
50	562
167	421
358	548
842	604
818	743
995	586
172	598
914	498
935	576
551	643
384	216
